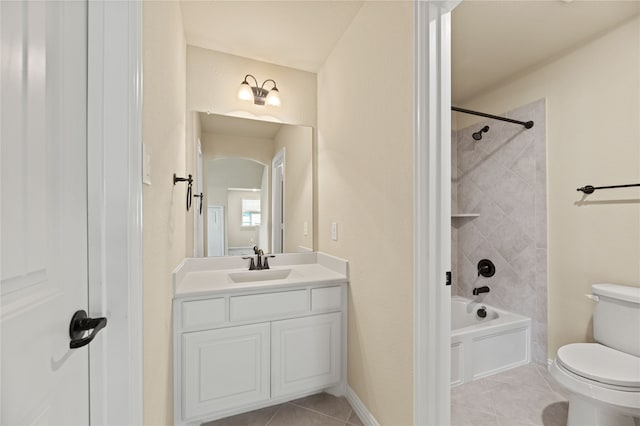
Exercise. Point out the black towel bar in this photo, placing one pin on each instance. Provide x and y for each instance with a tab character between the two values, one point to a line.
590	189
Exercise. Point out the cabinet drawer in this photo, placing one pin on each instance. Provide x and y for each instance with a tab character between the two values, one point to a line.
323	299
201	313
268	305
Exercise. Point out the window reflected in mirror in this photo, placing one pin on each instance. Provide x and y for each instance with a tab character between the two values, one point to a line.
251	212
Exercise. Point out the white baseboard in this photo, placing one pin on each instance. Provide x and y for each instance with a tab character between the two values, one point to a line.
361	410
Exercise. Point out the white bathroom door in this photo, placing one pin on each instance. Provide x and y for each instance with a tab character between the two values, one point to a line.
44	212
215	237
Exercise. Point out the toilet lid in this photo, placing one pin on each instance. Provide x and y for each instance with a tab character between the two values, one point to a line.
601	363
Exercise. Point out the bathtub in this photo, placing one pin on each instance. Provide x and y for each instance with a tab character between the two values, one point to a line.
484	346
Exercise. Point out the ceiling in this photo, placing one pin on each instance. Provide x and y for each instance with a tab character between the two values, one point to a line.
295	34
492	41
234	126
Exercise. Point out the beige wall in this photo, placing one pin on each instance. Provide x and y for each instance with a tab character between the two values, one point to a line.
593	137
296	141
163	131
213	79
365	185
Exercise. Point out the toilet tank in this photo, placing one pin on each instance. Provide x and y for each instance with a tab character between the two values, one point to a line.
616	319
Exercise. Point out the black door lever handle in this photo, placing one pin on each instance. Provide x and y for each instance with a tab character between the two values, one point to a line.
80	324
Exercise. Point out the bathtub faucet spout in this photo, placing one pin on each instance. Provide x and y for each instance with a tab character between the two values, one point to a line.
479	290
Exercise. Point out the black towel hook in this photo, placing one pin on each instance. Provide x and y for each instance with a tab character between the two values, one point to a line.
189	181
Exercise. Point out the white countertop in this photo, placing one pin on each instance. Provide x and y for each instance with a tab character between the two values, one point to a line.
204	276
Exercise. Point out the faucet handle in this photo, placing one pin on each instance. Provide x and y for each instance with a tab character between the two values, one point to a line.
486	268
266	261
252	265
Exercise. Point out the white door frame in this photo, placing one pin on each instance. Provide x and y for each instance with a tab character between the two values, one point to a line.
198	218
432	211
114	167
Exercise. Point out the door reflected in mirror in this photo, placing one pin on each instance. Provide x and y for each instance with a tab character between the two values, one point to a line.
257	186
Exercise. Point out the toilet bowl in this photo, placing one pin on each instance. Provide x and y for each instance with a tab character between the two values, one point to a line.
603	379
604	384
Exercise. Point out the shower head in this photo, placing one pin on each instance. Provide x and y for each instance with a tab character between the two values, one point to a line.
478	135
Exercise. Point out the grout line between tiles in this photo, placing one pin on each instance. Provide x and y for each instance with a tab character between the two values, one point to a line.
351	414
346	422
318	412
544	378
274	414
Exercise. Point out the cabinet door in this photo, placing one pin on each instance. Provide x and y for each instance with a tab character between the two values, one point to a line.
224	368
306	353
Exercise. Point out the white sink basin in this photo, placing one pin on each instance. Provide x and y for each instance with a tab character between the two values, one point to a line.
262	275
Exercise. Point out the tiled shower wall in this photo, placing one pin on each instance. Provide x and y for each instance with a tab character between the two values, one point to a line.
503	178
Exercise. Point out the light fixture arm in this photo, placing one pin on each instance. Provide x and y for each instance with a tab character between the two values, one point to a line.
254	79
275	86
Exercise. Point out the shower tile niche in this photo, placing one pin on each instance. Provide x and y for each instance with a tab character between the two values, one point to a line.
503	178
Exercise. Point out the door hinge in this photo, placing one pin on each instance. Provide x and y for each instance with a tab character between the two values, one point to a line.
448	282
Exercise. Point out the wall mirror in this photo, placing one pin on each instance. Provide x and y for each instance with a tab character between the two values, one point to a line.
256	180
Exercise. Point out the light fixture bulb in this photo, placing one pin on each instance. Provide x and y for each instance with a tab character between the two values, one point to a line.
273	98
245	93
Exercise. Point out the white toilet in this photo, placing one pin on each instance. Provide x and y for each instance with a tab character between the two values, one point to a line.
604	378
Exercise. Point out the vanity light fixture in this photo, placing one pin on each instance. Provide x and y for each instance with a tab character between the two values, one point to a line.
259	94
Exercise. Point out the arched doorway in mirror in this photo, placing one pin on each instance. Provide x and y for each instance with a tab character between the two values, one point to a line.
237	200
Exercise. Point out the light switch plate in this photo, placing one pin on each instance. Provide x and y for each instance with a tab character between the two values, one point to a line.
334	231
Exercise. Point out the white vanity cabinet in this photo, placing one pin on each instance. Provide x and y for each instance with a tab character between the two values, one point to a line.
238	351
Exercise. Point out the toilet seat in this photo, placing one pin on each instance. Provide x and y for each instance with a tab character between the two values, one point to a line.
607	367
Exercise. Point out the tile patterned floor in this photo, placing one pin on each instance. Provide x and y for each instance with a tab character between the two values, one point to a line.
522	396
315	410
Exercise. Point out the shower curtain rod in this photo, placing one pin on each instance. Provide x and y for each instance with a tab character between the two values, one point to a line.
527	124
